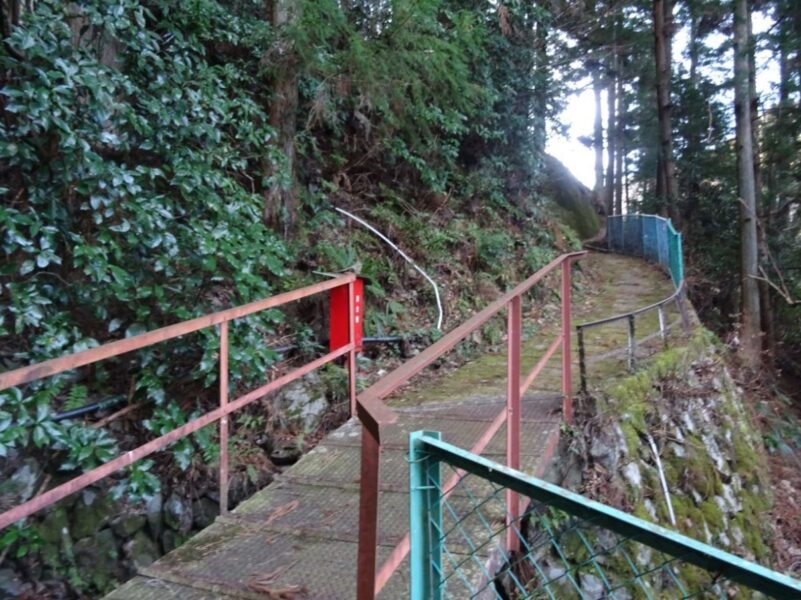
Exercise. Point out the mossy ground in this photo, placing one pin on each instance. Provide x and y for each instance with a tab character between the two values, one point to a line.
608	284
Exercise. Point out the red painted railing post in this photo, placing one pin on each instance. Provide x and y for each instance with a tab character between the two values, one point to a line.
352	323
368	515
224	419
514	327
567	381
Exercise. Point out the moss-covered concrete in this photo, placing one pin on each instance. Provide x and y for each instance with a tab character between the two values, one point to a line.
711	452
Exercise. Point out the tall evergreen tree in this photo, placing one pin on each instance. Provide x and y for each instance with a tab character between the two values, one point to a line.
750	321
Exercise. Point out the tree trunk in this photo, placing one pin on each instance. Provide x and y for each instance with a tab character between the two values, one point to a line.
663	31
763	202
598	137
280	197
695	45
619	140
750	322
611	129
752	90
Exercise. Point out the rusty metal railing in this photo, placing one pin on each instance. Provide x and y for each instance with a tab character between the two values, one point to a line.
374	414
226	407
369	405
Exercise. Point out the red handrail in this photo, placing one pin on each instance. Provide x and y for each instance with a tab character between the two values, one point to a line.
374	414
222	318
369	405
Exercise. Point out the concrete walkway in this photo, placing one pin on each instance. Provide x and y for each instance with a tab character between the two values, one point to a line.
297	538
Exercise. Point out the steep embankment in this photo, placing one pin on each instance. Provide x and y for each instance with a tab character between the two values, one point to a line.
685	405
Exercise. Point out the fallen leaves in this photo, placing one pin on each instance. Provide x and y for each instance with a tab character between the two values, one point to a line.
282	511
267	584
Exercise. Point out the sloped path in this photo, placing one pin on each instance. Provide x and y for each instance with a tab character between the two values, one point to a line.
301	531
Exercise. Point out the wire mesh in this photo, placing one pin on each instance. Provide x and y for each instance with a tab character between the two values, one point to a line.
649	236
553	554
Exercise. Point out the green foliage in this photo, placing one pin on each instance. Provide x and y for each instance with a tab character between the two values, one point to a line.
22	538
433	91
139	485
129	202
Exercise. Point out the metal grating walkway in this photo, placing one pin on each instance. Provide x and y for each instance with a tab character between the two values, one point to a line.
301	531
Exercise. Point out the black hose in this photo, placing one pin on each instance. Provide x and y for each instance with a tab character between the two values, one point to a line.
89	408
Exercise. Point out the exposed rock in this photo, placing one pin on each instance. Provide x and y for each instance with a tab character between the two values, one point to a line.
142	550
11	586
155	520
604	452
303	402
651	508
22	484
127	524
91	513
204	511
96	557
677	449
733	505
713	450
178	513
592	588
632	474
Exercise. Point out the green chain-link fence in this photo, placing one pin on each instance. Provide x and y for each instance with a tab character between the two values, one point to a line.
649	236
463	545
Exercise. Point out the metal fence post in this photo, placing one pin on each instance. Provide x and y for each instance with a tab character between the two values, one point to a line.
514	335
632	344
352	354
567	381
582	359
425	520
223	471
662	332
368	515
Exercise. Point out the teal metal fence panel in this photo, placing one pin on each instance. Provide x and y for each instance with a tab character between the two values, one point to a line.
649	236
565	546
650	246
614	233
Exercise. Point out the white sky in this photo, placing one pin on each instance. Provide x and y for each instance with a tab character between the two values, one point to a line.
579	112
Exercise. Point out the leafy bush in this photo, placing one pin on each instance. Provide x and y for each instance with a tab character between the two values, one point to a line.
130	143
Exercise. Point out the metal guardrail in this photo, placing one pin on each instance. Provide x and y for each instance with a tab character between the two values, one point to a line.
369	405
223	318
655	239
374	414
565	545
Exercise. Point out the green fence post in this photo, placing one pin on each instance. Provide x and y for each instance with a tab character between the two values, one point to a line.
680	258
425	519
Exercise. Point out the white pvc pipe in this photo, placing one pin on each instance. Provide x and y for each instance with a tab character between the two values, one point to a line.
405	257
662	479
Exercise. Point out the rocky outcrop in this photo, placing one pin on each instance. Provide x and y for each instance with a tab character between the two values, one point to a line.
94	542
